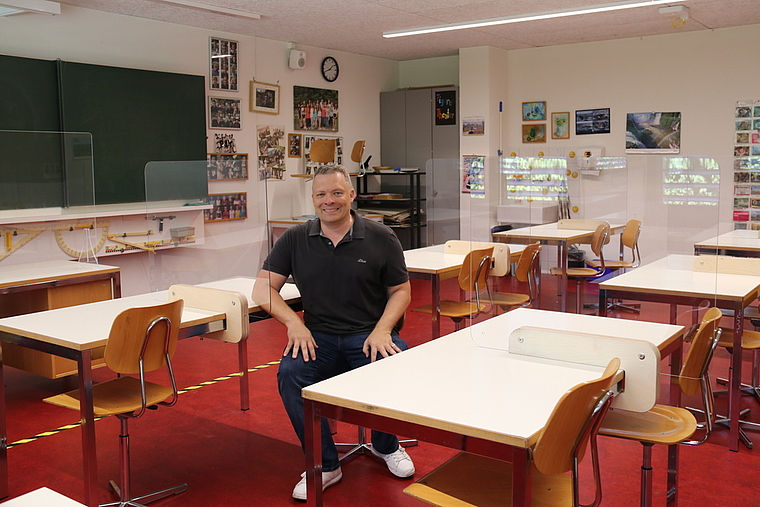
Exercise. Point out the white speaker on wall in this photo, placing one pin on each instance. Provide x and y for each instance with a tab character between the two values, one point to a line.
297	59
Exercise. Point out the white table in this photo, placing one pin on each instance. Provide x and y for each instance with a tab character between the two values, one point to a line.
672	280
74	332
435	264
43	497
453	392
734	243
551	234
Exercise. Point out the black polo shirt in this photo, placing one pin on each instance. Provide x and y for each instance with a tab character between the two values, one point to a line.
344	289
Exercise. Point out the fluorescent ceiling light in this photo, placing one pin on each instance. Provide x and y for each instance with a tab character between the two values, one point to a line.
216	9
559	13
9	7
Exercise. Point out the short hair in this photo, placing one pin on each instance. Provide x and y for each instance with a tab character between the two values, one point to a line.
333	169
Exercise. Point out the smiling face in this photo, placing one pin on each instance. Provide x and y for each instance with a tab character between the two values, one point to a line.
332	196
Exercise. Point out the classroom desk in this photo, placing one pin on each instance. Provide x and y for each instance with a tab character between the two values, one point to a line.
672	280
446	393
734	244
74	332
550	234
434	264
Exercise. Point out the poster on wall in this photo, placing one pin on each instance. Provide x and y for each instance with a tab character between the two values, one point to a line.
223	64
746	212
592	121
446	107
473	126
315	109
271	152
473	174
308	164
658	132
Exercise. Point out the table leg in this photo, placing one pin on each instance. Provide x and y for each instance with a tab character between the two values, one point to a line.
89	454
313	449
734	389
436	315
245	401
671	491
3	435
521	478
602	303
562	260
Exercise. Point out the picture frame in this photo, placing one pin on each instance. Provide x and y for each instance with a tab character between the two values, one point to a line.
592	121
534	111
223	64
560	125
474	126
227	166
315	109
294	145
473	174
265	98
230	206
534	133
223	113
308	165
654	132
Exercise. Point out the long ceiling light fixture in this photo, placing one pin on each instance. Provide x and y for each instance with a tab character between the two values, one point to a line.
559	13
10	7
216	9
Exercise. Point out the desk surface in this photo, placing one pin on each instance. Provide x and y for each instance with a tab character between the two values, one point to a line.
435	260
550	232
66	326
742	240
455	385
42	497
48	271
675	275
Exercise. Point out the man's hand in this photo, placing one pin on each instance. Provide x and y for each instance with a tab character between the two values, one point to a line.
300	341
379	342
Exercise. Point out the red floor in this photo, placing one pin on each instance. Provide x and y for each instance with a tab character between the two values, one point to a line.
233	458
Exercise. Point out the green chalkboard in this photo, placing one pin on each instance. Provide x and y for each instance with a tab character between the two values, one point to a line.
133	116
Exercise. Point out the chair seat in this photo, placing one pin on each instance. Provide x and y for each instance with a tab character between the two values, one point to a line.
453	309
118	396
509	299
471	480
575	272
663	424
750	339
610	264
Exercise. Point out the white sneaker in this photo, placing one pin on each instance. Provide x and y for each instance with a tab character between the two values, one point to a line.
399	463
328	479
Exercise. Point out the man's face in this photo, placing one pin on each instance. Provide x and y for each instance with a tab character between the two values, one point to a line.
332	196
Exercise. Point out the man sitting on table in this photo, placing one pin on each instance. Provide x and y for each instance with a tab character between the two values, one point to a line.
354	290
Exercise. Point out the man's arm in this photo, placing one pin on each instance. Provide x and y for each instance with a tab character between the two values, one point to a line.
380	341
266	293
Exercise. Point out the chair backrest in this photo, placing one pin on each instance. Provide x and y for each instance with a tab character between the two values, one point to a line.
600	238
322	150
475	268
564	438
358	151
528	260
630	239
148	332
700	352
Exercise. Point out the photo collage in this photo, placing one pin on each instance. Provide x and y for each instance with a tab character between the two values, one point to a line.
746	213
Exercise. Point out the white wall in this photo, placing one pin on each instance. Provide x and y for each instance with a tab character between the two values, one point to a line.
426	72
87	36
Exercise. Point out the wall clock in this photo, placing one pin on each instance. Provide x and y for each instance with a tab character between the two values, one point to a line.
330	69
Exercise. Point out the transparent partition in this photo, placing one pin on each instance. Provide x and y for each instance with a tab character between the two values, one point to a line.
47	193
194	235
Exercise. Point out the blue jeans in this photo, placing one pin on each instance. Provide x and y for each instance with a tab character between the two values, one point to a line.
336	354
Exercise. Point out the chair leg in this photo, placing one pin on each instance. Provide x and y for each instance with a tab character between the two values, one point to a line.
360	447
123	489
646	475
578	293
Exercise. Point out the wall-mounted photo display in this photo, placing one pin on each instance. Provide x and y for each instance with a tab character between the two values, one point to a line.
223	64
533	111
227	166
534	133
271	152
265	98
309	165
315	109
653	132
446	107
560	125
223	113
294	145
474	126
473	174
592	121
226	207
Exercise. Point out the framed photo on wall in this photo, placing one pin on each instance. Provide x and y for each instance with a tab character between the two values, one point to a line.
533	111
315	109
226	207
294	145
658	132
560	125
534	133
265	98
223	64
592	121
223	113
227	166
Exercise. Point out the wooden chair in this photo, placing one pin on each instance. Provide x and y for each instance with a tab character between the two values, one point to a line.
528	270
322	151
600	238
141	340
629	239
469	479
473	277
668	425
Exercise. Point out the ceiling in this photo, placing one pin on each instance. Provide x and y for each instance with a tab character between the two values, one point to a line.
356	26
